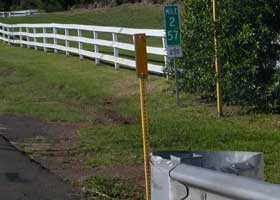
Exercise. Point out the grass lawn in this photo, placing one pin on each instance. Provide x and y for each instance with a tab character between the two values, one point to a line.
131	16
58	88
54	87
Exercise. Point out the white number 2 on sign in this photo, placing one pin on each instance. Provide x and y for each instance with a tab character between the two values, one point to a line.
174	51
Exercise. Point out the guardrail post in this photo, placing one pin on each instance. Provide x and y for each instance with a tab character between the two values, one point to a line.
35	38
96	47
66	42
80	34
45	39
54	39
20	37
27	37
116	50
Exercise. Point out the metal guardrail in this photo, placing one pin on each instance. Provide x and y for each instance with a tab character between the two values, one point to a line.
224	185
206	175
20	13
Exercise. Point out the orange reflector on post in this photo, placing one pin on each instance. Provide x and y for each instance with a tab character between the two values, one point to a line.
141	55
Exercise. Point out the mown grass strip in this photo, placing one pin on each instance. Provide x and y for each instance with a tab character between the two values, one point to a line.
58	88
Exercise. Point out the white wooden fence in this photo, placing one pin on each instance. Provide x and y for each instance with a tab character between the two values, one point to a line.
57	37
20	13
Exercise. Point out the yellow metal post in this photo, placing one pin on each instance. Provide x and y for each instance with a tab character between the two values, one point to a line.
142	72
145	134
216	58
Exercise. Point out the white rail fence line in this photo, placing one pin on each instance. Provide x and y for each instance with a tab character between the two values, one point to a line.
20	13
50	34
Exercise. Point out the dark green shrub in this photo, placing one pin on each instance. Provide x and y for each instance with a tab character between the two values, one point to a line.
274	93
53	5
247	50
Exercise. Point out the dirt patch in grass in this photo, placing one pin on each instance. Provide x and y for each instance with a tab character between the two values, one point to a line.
7	72
20	128
106	115
133	174
109	117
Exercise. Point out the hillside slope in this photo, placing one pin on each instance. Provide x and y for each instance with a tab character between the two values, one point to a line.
141	16
104	104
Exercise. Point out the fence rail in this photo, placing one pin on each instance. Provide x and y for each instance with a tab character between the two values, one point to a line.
20	13
57	37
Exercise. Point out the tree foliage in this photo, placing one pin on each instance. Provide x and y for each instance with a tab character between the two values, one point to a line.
54	5
248	31
48	5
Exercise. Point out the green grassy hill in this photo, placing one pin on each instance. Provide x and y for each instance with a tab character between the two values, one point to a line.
132	16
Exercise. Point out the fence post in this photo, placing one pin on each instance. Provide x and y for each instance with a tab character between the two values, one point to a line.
80	34
116	50
96	47
20	37
9	37
3	34
54	39
27	37
12	35
3	29
133	39
45	39
66	41
165	57
35	38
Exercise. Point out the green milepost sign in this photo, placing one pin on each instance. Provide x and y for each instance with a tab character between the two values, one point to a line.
173	38
172	25
172	28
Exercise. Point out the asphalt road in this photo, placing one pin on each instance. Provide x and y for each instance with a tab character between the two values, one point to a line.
23	179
